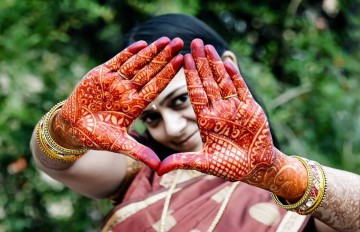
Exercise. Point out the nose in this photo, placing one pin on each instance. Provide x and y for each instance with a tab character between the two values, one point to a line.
174	123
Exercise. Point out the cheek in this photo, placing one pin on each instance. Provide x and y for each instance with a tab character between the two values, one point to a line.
158	134
190	114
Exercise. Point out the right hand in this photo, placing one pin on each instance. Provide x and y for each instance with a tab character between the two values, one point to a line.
233	126
111	96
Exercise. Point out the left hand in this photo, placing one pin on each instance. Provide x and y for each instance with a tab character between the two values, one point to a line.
233	127
103	106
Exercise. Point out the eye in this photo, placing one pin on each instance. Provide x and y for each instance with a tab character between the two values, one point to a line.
151	119
180	101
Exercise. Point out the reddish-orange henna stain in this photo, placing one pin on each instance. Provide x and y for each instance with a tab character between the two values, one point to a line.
235	131
139	60
101	109
155	65
236	134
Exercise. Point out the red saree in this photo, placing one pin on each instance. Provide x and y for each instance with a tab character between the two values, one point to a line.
194	205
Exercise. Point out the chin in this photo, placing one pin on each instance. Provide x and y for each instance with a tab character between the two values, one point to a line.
194	148
193	145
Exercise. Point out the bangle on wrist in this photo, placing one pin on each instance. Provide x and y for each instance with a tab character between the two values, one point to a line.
314	192
304	197
47	144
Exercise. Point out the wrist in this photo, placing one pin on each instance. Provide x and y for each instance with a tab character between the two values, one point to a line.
286	177
62	132
314	193
48	145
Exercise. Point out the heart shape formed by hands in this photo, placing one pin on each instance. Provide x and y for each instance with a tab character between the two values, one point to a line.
100	110
234	129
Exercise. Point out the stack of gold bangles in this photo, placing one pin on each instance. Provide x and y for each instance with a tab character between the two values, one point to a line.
47	143
314	193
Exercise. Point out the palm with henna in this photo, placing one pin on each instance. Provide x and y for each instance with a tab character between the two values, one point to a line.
234	128
103	106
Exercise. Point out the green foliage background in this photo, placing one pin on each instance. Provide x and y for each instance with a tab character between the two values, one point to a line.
302	57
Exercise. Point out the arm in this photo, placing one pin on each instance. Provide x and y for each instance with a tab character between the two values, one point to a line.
88	169
340	208
238	144
95	119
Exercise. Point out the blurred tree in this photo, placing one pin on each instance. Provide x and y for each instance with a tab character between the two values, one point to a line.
302	56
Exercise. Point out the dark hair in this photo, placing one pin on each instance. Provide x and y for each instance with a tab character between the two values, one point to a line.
183	26
187	28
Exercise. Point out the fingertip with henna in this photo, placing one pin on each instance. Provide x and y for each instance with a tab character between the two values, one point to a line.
176	45
231	69
197	48
148	157
137	46
189	63
212	53
166	166
196	42
177	62
154	162
162	42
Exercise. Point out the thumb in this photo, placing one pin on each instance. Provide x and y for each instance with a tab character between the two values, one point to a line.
190	160
140	152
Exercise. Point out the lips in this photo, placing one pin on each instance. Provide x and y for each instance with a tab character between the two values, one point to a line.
183	141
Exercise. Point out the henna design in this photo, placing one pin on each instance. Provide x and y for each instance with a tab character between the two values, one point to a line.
138	61
145	74
204	71
340	206
286	177
227	88
102	107
235	133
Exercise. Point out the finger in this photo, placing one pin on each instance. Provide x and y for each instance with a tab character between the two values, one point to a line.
139	60
195	88
156	64
137	101
242	90
128	146
115	63
211	88
152	89
194	161
220	75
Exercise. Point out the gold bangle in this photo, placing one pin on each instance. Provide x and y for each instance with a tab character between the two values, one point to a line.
47	137
306	195
49	152
47	144
314	193
318	191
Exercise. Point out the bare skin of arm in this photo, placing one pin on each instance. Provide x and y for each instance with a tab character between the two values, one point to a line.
238	144
340	208
90	175
99	113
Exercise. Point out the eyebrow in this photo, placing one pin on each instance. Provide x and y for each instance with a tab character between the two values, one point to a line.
171	94
165	98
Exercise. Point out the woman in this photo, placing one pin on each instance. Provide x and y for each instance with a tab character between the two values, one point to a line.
213	124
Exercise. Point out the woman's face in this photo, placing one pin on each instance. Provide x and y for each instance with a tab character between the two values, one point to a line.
170	118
